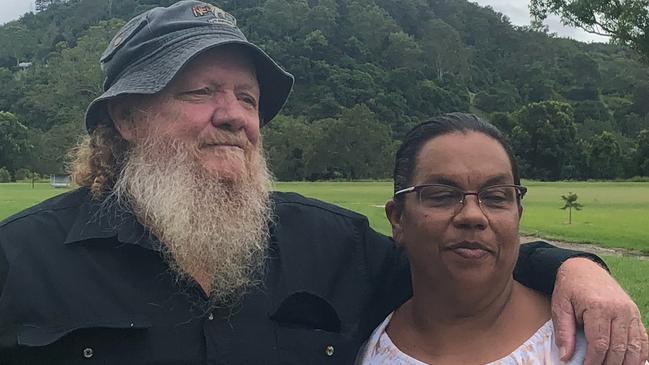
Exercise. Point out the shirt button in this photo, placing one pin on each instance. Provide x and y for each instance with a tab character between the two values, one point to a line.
329	350
210	317
87	352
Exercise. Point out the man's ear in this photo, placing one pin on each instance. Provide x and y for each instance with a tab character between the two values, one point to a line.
121	113
520	212
394	213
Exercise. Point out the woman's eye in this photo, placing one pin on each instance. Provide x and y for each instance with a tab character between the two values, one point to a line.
439	196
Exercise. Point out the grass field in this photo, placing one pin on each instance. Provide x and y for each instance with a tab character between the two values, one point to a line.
614	215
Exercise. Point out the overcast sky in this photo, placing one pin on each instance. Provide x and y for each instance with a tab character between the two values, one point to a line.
516	10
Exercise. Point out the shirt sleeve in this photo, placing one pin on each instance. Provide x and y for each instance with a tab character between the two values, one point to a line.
4	269
389	275
539	261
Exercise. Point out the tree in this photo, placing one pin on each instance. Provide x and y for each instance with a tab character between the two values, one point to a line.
605	157
642	152
60	97
369	23
443	49
288	142
401	51
545	137
356	145
626	22
503	97
16	41
570	203
5	176
14	145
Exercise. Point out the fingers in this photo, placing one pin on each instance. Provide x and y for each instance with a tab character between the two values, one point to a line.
637	346
565	327
644	344
619	341
597	330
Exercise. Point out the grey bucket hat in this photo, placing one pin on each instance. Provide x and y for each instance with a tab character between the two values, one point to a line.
151	48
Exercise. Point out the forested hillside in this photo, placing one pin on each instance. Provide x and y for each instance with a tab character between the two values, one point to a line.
366	71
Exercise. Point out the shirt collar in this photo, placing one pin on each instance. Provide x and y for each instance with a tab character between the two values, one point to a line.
99	220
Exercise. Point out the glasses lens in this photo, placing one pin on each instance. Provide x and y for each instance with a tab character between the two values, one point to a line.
498	197
441	197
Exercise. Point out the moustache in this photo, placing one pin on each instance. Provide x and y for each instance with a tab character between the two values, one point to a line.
225	139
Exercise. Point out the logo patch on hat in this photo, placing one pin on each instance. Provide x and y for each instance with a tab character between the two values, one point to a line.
219	16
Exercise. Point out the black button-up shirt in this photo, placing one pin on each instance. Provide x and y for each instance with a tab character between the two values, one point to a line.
82	283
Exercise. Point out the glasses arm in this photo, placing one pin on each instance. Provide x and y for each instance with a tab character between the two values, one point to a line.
406	190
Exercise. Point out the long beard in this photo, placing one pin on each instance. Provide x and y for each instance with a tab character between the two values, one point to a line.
210	227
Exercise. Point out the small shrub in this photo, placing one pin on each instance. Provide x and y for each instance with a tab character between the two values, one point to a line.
23	174
5	176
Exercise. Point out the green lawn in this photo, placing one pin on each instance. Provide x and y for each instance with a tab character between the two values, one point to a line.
633	275
615	215
15	197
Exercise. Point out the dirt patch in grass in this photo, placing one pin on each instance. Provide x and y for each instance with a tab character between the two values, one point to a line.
590	248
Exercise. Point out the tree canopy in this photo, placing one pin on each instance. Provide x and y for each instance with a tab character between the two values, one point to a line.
626	21
366	72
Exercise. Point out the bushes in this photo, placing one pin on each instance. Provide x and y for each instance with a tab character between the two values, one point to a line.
23	174
5	176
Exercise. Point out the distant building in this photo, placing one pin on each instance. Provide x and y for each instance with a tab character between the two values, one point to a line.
59	181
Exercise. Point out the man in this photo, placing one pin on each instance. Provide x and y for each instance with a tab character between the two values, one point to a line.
173	251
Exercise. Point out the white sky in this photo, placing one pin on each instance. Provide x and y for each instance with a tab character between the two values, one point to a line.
516	10
518	13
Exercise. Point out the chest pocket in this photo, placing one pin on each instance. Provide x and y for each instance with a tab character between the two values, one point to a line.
309	331
309	346
109	342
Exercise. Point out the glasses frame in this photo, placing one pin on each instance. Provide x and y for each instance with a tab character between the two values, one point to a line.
520	190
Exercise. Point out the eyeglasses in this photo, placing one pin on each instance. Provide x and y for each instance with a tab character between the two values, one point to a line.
449	199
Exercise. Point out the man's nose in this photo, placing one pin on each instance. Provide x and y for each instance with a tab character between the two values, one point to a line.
470	214
228	112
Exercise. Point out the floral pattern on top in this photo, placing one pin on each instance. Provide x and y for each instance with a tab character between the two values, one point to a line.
539	349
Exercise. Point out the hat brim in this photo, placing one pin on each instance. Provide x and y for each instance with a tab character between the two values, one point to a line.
152	74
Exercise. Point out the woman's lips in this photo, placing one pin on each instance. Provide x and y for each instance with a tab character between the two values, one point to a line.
469	250
470	253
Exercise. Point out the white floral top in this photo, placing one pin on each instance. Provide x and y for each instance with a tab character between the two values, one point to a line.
538	349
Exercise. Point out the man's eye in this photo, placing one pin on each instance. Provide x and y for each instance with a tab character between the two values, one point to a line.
201	91
249	100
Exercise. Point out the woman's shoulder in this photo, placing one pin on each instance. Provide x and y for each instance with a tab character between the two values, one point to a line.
541	348
380	350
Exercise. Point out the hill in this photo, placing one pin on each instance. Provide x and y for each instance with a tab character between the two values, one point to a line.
366	70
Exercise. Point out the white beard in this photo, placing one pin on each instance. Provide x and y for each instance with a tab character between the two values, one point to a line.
210	227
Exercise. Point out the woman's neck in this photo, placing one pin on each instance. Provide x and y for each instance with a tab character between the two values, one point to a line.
438	325
444	308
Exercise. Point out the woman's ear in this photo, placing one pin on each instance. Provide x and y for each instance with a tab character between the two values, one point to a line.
121	113
393	212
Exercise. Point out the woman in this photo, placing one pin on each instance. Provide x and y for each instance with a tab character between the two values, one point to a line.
456	212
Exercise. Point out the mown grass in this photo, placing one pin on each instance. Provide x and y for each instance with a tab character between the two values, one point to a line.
633	274
15	197
614	215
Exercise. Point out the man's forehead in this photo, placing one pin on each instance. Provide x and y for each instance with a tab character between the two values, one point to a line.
210	65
